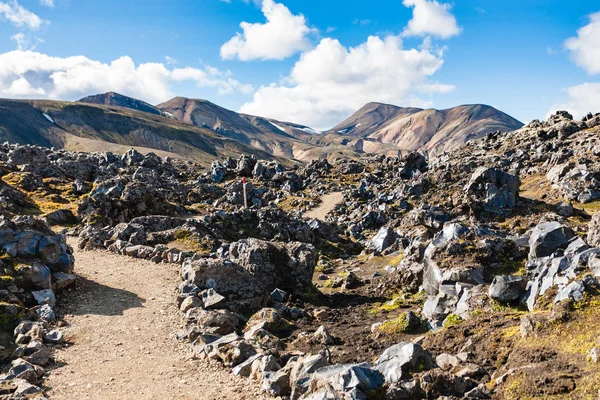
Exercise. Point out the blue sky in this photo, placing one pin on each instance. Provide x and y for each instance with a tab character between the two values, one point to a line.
512	55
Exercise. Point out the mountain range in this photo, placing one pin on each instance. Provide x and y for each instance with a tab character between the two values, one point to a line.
203	131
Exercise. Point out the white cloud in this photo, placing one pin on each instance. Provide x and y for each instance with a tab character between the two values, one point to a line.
581	99
283	35
19	16
47	3
585	48
331	81
24	42
431	18
28	73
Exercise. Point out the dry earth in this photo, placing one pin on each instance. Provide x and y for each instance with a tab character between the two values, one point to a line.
328	203
122	319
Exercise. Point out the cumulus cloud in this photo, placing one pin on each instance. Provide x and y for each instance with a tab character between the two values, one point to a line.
585	52
581	99
585	47
283	35
19	16
332	81
47	3
431	18
31	74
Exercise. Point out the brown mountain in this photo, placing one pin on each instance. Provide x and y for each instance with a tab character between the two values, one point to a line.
118	100
432	131
203	131
91	127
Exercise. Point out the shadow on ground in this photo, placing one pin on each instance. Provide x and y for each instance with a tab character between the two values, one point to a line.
93	298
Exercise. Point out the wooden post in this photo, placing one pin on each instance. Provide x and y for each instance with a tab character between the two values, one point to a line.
245	196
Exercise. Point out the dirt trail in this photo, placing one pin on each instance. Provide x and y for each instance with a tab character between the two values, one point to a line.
121	324
329	201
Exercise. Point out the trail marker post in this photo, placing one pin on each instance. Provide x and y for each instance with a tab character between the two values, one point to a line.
245	196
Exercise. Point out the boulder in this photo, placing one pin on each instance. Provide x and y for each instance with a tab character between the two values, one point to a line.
496	189
506	289
548	237
385	238
401	359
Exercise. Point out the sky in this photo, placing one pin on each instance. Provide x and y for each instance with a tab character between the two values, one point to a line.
307	61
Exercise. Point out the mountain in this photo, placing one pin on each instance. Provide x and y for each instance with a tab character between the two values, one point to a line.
203	131
118	100
92	127
432	131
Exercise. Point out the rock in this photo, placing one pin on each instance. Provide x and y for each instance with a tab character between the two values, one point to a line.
221	322
218	172
506	289
54	337
45	296
495	188
45	313
446	361
23	370
322	336
211	299
190	302
548	237
245	368
355	380
62	280
276	383
397	361
593	236
385	238
279	296
573	291
405	390
40	276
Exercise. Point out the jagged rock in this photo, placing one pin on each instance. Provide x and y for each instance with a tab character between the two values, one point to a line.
221	322
385	238
573	291
279	296
397	361
211	299
45	296
345	381
495	188
548	237
276	383
506	289
322	336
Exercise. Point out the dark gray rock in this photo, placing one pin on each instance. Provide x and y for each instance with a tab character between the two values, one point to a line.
496	189
506	289
548	237
385	238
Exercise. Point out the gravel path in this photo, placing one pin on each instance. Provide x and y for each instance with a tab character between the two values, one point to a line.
122	319
328	203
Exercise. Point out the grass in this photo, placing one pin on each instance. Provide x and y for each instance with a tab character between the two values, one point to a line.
399	300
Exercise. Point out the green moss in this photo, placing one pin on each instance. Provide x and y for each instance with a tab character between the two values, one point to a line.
452	320
395	326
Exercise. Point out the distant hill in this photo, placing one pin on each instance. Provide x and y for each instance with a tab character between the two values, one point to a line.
203	131
91	127
432	131
118	100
